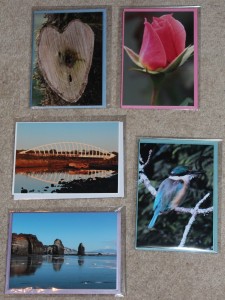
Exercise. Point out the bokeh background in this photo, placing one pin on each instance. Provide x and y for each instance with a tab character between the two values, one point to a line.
169	227
178	86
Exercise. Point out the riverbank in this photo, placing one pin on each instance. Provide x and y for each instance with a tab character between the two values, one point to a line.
52	163
91	185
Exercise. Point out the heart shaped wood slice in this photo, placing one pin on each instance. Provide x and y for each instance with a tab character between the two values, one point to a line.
65	58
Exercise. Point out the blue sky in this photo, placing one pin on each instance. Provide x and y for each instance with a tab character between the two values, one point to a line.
96	230
100	134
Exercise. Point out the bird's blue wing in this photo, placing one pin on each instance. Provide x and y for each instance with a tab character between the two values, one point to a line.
170	192
158	198
168	189
154	218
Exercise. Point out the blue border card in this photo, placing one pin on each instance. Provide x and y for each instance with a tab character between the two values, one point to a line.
177	195
68	59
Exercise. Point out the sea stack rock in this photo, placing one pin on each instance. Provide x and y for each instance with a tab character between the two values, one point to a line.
81	250
60	246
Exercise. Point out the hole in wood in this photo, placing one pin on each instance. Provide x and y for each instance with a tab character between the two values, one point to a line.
70	58
70	78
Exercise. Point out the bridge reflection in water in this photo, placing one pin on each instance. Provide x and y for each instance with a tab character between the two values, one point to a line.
60	177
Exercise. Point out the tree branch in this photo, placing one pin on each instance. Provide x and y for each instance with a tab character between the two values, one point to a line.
192	219
193	211
148	159
203	211
144	179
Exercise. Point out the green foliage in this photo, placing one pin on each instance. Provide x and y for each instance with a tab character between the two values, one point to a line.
170	226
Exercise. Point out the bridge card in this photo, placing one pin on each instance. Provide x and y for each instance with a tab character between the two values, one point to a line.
177	195
76	252
56	160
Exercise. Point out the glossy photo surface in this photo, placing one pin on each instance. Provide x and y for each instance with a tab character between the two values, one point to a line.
64	252
177	195
160	58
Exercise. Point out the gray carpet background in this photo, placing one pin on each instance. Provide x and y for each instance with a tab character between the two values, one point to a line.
148	275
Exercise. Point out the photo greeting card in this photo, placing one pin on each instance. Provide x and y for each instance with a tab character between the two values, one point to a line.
69	58
55	160
64	253
160	58
177	195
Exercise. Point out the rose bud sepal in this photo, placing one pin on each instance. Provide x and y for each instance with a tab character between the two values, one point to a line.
176	63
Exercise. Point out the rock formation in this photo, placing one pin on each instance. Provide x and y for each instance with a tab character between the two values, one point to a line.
25	244
56	249
51	249
60	248
81	250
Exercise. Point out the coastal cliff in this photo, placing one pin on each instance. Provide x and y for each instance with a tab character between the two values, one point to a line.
27	244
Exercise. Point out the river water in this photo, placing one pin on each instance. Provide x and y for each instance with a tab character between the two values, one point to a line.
47	182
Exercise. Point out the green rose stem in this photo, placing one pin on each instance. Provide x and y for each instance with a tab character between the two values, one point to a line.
156	85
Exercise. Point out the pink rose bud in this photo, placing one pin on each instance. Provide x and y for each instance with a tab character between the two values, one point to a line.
163	40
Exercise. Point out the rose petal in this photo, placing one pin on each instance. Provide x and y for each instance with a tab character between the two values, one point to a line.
178	33
152	54
167	27
162	28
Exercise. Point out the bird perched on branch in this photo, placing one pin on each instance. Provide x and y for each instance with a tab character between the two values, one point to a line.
172	191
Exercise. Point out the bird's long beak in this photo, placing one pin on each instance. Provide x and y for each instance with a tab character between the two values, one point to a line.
195	174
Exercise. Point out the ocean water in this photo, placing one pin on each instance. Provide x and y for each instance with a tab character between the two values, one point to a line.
64	272
50	181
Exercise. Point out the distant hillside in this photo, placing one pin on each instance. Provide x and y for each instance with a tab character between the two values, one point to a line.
103	251
69	251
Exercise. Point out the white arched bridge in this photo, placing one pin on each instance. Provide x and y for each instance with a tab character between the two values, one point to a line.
69	149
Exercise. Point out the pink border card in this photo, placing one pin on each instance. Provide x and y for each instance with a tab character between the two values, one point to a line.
160	58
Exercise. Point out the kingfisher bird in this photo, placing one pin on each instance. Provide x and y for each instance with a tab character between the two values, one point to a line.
172	191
